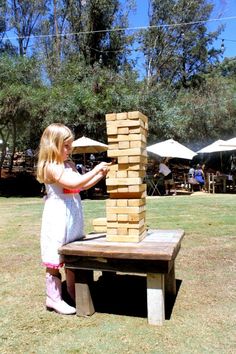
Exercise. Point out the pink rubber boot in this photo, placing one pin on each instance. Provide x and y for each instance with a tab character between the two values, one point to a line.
54	300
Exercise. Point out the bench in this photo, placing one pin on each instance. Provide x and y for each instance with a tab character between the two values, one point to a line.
154	256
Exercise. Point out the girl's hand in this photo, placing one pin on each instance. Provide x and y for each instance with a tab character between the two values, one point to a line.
102	167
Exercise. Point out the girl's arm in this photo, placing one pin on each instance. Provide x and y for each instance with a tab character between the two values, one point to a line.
95	180
73	180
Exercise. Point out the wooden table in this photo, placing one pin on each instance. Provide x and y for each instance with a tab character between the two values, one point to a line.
154	256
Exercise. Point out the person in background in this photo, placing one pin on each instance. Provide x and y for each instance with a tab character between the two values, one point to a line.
199	176
62	219
168	176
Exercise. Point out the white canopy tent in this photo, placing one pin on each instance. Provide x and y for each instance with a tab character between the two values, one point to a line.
230	143
172	149
86	145
218	146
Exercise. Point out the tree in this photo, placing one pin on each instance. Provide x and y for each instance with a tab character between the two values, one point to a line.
19	79
25	15
179	47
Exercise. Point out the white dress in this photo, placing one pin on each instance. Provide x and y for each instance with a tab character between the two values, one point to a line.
62	222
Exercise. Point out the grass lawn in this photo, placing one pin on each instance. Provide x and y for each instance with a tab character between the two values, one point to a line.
203	319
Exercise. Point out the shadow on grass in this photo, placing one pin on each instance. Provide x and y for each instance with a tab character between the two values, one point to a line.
21	184
125	295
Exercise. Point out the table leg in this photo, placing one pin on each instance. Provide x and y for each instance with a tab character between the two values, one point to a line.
83	298
170	282
155	298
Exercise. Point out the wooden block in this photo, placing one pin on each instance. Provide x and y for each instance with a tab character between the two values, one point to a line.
137	115
135	174
123	159
125	238
128	225
113	139
99	222
110	116
127	152
137	159
122	189
131	137
137	188
111	203
127	210
113	146
121	116
121	203
125	145
122	217
111	174
121	174
125	123
122	231
137	217
115	195
112	130
132	167
137	130
136	202
124	182
137	232
136	144
100	229
112	189
111	231
111	217
122	130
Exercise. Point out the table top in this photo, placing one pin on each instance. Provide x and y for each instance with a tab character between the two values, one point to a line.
157	245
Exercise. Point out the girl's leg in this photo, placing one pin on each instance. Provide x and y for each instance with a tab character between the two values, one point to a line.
53	290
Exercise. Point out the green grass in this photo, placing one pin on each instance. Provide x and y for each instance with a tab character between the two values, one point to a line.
203	316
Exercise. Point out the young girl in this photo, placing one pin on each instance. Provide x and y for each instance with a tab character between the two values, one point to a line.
62	219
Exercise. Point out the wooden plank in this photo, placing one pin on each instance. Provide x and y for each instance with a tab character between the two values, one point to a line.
124	182
133	224
138	159
110	116
122	116
137	114
122	130
123	159
120	166
114	194
83	299
170	282
127	123
125	145
135	174
101	228
124	238
138	152
155	299
120	250
127	210
137	144
99	222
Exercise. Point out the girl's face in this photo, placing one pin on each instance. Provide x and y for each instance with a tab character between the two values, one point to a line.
66	149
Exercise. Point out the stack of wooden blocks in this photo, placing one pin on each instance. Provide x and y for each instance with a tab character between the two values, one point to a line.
126	207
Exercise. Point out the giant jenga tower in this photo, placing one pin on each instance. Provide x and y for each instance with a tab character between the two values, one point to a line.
126	207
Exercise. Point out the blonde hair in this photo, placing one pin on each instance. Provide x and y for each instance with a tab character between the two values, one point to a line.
50	147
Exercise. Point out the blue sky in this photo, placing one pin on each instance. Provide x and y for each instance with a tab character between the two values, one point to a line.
222	9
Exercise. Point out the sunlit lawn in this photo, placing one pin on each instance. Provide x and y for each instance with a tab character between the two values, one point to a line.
203	316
